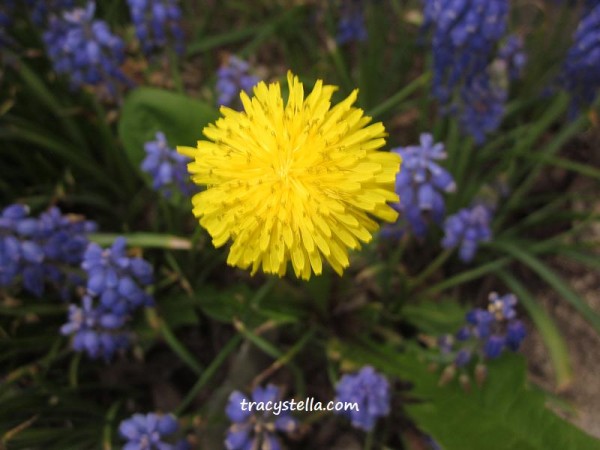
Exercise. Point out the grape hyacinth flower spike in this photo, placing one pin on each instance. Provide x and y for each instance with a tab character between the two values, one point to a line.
486	334
250	429
581	69
167	168
421	183
43	250
151	432
351	26
157	24
86	51
115	290
232	78
371	391
467	229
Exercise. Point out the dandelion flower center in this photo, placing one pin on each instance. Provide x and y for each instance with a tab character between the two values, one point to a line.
295	183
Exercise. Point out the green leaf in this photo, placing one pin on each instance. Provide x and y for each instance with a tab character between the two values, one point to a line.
441	317
270	302
178	311
148	110
223	306
506	413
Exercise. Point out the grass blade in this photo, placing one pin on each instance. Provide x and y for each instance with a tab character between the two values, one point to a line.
552	279
556	345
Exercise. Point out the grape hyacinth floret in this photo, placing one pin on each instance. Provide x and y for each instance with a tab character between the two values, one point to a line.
42	10
487	332
96	331
151	432
7	9
116	279
157	24
233	78
85	50
467	229
421	183
351	26
371	391
115	290
512	56
167	168
581	69
42	250
256	429
482	107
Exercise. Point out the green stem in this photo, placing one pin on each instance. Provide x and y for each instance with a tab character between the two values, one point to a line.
263	291
399	96
46	96
74	370
369	439
555	145
116	156
209	372
108	425
432	267
341	67
173	342
468	275
145	240
175	72
391	266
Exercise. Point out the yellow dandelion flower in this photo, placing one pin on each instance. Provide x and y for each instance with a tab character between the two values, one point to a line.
298	182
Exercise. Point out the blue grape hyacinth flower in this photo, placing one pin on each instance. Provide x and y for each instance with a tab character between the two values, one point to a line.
86	50
42	10
46	249
465	36
151	432
487	332
467	229
513	57
581	68
115	290
232	78
370	391
95	331
249	428
351	27
157	24
117	280
465	33
421	183
482	107
167	167
7	10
